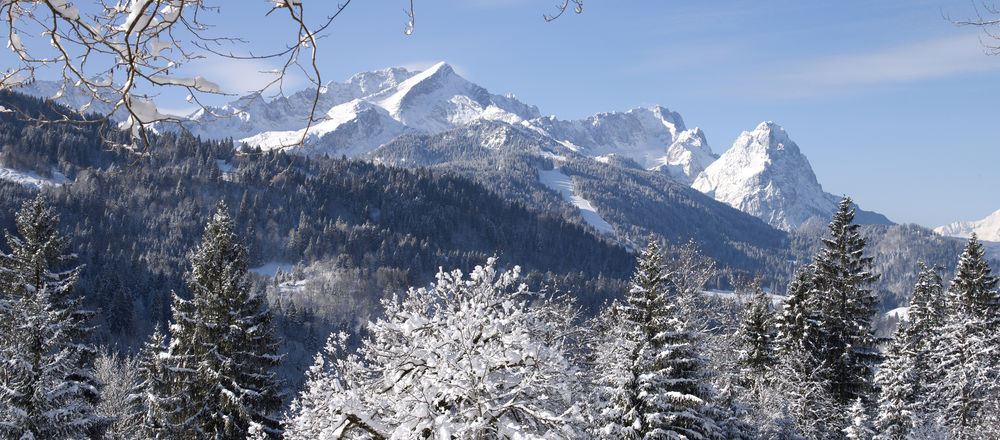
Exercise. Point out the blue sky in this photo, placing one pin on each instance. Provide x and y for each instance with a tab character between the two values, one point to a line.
892	104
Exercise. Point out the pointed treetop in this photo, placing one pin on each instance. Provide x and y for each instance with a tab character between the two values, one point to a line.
974	284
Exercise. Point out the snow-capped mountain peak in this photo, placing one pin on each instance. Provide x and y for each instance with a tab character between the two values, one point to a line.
766	175
655	138
987	229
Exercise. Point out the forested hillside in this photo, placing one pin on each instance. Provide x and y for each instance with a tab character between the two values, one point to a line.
133	224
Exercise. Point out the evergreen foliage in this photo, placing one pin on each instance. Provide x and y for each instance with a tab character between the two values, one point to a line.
152	391
222	353
658	388
47	386
757	336
909	372
968	348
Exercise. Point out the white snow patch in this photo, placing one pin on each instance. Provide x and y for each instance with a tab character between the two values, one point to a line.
776	299
271	268
902	313
31	178
987	229
559	181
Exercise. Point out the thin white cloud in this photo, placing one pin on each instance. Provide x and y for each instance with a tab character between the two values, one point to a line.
242	76
930	59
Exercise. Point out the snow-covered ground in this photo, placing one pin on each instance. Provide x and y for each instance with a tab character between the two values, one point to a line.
900	312
777	300
31	178
271	268
559	181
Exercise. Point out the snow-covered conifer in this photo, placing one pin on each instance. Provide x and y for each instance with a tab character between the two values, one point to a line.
222	352
757	353
794	321
844	338
47	386
907	374
153	389
659	386
968	348
858	424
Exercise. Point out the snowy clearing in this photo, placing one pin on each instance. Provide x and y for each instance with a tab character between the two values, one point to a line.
31	178
776	299
271	268
902	313
559	181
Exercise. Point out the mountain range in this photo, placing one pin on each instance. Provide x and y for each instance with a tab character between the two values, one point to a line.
764	173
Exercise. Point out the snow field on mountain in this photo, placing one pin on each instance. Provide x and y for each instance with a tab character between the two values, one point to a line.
31	178
986	229
562	183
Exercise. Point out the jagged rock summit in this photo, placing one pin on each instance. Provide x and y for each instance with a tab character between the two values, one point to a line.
987	229
655	138
766	175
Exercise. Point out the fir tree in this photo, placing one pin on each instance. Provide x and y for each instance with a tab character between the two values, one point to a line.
907	373
659	388
967	351
153	388
794	322
47	386
858	425
222	352
757	338
844	337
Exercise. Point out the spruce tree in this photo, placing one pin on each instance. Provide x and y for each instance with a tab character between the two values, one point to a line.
795	319
222	354
757	353
968	350
660	389
47	386
844	336
908	372
153	390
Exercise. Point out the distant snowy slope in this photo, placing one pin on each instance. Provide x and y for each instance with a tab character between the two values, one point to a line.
986	229
764	174
563	184
655	138
32	179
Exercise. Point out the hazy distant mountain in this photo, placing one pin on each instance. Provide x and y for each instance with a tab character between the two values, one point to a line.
986	229
765	174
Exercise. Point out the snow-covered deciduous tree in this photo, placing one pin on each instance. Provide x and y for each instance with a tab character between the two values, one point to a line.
47	386
654	378
119	402
222	354
465	358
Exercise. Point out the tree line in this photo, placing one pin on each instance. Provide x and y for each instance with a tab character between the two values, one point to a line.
480	354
